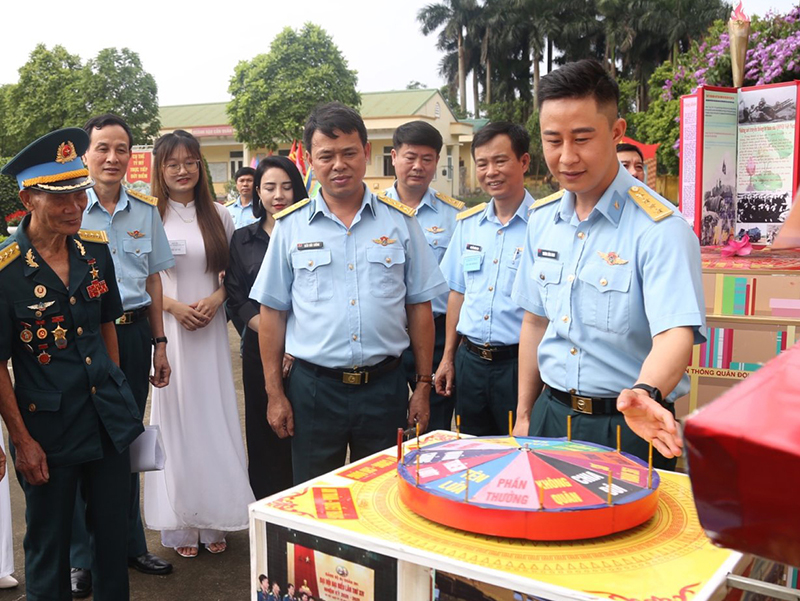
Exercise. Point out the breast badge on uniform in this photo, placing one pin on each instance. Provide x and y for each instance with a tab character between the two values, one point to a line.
612	258
26	335
136	234
40	291
435	229
59	333
44	356
96	287
384	240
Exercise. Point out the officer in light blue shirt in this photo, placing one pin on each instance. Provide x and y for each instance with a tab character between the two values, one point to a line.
415	156
140	250
346	284
480	266
241	209
610	280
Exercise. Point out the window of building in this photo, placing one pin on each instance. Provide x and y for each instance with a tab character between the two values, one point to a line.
437	111
388	168
237	161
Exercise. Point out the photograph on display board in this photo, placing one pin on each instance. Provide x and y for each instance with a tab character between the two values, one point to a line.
719	166
322	570
766	166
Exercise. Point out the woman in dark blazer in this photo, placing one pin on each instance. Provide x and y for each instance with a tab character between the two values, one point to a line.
277	185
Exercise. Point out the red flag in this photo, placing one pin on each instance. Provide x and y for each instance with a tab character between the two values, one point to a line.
300	159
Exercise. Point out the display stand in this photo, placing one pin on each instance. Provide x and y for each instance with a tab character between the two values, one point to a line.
752	313
352	521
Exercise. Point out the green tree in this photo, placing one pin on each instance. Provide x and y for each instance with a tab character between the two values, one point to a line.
115	82
46	97
274	93
453	17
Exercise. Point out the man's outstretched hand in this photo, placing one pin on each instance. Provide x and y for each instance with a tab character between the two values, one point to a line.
651	421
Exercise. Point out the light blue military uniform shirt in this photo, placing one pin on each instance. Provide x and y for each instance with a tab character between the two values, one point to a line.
607	285
136	239
481	263
346	289
242	216
437	217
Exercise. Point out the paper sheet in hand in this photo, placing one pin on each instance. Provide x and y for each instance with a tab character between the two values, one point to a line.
147	451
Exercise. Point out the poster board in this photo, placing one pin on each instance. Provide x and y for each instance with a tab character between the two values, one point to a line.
738	164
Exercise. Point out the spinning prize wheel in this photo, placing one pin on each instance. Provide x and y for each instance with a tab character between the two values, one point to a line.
524	487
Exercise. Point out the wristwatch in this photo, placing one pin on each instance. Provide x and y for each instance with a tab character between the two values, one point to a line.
422	378
654	392
155	341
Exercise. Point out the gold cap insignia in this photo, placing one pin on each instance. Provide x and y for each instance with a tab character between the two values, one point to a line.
66	152
384	240
612	258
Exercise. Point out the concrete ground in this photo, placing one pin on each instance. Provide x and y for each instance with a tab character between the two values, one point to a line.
207	577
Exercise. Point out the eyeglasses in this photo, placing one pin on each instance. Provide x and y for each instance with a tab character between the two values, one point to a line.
175	168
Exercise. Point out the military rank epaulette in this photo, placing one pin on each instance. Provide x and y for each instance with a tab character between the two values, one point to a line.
547	200
396	204
471	211
649	204
99	236
291	208
230	202
145	198
8	254
457	204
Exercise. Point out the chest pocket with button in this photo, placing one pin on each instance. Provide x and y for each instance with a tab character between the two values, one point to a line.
387	271
135	258
438	243
605	299
548	275
313	276
472	268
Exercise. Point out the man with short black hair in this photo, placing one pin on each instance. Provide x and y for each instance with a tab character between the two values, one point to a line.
241	209
610	282
140	250
344	274
415	156
632	159
481	349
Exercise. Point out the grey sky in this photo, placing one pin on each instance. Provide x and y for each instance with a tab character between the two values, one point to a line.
192	50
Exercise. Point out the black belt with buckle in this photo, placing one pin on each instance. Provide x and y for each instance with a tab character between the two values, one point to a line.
358	375
129	317
492	353
590	405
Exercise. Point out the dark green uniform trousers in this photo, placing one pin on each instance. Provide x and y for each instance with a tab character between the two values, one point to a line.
549	419
487	391
105	484
330	415
441	406
135	347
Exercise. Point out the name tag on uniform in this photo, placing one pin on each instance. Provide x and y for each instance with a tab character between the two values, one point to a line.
472	262
474	247
547	254
178	247
309	245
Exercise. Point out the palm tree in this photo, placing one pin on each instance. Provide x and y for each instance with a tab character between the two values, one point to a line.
683	20
454	16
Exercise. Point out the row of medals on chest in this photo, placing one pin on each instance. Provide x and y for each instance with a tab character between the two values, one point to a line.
95	288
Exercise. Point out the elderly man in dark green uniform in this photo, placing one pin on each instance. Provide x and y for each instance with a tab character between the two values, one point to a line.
70	413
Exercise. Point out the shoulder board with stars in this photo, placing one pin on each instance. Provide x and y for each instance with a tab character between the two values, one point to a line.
99	236
456	204
291	208
230	202
547	200
8	255
396	204
145	198
470	212
654	208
